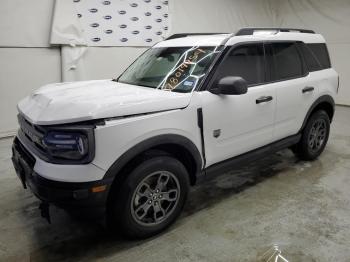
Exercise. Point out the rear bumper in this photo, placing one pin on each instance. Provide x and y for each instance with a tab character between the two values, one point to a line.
67	195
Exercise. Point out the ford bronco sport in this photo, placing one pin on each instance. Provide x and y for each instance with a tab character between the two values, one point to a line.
190	106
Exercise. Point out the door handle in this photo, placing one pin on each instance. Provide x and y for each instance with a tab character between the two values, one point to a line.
263	99
308	89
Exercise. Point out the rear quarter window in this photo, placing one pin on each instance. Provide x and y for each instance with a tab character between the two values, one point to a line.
310	58
321	53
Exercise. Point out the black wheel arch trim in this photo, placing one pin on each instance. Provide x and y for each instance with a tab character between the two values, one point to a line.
325	98
150	143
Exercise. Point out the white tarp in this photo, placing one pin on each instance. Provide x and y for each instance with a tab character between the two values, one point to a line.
110	22
66	28
332	20
79	25
329	18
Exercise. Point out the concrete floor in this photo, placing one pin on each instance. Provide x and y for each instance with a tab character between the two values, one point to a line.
304	207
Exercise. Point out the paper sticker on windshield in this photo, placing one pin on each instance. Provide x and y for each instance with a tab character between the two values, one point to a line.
184	67
188	83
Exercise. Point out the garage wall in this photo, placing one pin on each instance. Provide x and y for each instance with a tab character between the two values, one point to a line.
332	20
21	71
25	23
26	58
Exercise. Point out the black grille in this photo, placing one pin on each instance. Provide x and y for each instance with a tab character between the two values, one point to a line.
33	134
24	153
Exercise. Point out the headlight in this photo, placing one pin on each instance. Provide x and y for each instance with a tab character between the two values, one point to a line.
66	145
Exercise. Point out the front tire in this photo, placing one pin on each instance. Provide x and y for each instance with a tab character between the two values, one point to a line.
150	198
314	136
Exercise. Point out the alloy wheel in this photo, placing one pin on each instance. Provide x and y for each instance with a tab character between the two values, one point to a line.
155	198
317	135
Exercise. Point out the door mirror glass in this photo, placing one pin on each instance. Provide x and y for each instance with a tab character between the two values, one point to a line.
230	85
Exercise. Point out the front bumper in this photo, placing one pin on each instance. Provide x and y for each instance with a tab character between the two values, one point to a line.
67	195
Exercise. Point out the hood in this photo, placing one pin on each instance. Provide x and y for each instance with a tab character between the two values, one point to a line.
86	100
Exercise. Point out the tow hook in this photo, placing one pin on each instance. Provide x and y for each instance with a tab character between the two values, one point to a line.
45	211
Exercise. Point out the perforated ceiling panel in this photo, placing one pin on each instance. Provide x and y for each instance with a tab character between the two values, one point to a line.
123	22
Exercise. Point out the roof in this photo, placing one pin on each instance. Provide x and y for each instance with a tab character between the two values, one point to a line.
243	35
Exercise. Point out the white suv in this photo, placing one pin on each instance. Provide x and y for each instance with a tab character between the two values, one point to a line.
190	106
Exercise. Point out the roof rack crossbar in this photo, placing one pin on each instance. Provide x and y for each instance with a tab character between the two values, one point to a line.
174	36
250	31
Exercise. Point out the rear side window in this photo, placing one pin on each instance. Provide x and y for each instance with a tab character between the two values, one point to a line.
246	61
287	63
321	53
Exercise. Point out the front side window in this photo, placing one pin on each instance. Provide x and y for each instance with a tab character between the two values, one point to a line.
178	69
287	63
246	61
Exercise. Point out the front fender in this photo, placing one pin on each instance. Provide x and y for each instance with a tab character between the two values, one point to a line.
150	143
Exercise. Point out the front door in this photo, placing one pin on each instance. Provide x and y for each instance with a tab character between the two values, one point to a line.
236	124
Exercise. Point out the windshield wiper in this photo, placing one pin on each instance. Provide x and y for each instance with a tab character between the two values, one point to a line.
136	84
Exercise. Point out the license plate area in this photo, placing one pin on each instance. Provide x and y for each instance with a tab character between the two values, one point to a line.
23	162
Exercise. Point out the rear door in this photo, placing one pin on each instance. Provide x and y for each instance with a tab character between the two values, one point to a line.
296	89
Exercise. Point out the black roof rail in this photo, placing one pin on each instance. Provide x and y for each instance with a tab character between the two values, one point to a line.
174	36
250	30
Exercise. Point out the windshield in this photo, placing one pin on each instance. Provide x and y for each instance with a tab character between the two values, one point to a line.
178	69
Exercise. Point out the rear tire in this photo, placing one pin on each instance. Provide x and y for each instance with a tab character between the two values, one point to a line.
314	137
150	198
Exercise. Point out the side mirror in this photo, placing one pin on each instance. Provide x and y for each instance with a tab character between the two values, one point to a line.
230	85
